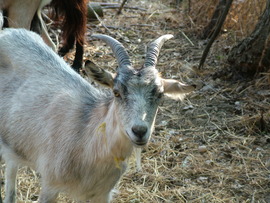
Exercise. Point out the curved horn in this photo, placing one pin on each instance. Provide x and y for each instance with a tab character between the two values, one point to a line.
118	49
153	50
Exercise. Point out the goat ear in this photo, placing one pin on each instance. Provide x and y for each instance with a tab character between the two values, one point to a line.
175	89
99	75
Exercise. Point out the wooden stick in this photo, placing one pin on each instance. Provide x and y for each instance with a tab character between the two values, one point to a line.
116	6
101	22
187	38
128	7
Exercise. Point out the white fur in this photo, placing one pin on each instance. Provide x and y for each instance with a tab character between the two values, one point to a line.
46	123
75	135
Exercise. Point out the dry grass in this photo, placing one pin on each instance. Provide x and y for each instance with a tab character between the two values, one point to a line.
241	19
214	146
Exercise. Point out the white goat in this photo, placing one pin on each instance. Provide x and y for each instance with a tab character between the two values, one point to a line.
76	136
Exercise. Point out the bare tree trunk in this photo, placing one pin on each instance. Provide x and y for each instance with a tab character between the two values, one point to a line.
121	7
209	29
216	32
252	54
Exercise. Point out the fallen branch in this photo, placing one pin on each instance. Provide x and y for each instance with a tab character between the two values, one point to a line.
117	6
128	7
187	38
143	25
101	22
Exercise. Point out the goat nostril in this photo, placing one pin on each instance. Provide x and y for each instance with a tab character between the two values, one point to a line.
139	130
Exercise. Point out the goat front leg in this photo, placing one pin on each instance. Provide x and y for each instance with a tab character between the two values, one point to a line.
138	152
78	60
10	185
69	44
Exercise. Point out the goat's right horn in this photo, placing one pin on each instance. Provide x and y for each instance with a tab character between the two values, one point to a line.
154	49
118	49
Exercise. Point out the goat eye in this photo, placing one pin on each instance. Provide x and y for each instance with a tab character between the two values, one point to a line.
116	93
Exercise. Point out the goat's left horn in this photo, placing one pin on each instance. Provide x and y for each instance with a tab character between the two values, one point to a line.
154	49
118	49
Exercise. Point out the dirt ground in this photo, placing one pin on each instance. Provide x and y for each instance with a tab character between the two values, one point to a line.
214	146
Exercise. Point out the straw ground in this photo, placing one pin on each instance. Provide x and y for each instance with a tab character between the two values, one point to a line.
215	145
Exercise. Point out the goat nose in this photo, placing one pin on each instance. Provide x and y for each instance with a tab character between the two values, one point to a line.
139	130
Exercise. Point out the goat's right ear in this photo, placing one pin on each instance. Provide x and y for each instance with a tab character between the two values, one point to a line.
98	74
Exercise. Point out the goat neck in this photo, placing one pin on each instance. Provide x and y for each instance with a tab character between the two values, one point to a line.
107	133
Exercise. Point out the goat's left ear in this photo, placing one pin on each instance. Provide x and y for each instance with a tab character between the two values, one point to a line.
175	89
99	75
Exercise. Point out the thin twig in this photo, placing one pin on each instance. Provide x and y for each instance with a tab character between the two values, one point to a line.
143	25
187	38
128	7
101	22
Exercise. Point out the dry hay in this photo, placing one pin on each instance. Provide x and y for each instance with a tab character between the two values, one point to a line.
212	147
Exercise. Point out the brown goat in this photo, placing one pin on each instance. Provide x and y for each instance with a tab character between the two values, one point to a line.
74	26
27	14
